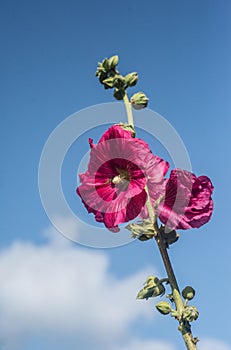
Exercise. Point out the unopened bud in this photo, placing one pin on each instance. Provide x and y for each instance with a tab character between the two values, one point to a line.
119	82
113	61
119	94
188	293
190	313
131	79
139	100
164	307
153	288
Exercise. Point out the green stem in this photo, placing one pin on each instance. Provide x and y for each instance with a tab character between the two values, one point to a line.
184	327
128	109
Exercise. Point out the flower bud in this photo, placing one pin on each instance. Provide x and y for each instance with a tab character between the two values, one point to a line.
113	61
164	307
119	94
139	100
190	313
131	79
153	288
188	293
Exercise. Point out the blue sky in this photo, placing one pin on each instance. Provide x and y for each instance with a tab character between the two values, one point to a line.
181	50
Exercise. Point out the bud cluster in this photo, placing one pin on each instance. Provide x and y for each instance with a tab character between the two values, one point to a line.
110	77
188	314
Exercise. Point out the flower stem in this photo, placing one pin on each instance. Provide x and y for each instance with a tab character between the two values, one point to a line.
128	109
184	326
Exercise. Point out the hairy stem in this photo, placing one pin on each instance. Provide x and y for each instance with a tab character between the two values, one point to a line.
184	327
128	109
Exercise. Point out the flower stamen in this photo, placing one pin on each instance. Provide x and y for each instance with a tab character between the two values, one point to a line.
121	180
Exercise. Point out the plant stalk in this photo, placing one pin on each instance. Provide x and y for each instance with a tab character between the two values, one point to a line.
128	109
184	326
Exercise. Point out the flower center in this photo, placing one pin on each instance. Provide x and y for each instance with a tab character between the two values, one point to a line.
122	179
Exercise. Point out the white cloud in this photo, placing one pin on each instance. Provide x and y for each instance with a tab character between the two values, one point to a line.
58	295
212	344
138	344
61	288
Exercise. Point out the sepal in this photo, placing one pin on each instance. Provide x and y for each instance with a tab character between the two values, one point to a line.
143	230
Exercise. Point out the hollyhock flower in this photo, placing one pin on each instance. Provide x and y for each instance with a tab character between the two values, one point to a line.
187	203
113	187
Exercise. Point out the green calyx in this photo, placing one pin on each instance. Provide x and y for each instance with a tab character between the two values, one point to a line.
142	230
128	127
153	288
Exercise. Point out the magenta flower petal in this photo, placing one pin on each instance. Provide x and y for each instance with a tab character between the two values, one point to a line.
188	203
115	132
113	187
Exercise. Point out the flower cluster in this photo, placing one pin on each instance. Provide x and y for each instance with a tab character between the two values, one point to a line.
122	171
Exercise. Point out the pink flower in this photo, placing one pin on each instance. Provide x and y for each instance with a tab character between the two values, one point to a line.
113	187
187	203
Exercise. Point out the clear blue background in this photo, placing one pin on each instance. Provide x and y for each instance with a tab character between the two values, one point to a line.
182	51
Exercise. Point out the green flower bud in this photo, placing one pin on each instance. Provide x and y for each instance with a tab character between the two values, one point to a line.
190	313
152	288
164	307
188	293
139	100
119	94
113	61
131	79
